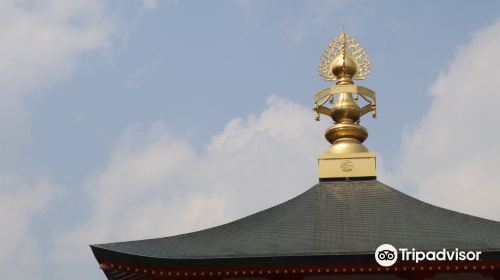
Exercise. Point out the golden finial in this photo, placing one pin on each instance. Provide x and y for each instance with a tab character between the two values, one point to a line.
344	60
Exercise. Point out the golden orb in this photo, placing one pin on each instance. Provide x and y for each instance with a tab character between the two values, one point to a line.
344	66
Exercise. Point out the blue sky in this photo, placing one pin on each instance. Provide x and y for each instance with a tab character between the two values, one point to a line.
137	119
187	63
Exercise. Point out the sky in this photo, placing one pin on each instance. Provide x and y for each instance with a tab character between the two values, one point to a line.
123	120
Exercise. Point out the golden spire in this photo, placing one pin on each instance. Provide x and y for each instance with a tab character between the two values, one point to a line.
344	61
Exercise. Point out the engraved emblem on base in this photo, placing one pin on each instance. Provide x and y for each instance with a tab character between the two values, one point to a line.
346	165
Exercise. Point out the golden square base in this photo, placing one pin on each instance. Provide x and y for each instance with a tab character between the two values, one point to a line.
347	165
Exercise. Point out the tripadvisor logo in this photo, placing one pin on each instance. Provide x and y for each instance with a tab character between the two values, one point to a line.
387	255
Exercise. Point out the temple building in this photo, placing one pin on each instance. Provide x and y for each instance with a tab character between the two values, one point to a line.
333	230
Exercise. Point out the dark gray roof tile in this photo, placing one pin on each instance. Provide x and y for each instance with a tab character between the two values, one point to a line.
331	218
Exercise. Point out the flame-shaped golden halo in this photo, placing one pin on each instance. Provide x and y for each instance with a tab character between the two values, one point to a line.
344	45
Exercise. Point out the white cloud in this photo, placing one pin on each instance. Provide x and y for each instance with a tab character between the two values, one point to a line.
156	185
19	202
39	44
452	157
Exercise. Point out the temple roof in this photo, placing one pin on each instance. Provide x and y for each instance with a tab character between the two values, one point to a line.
330	219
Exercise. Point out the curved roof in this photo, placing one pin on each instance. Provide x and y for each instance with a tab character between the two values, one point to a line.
331	218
